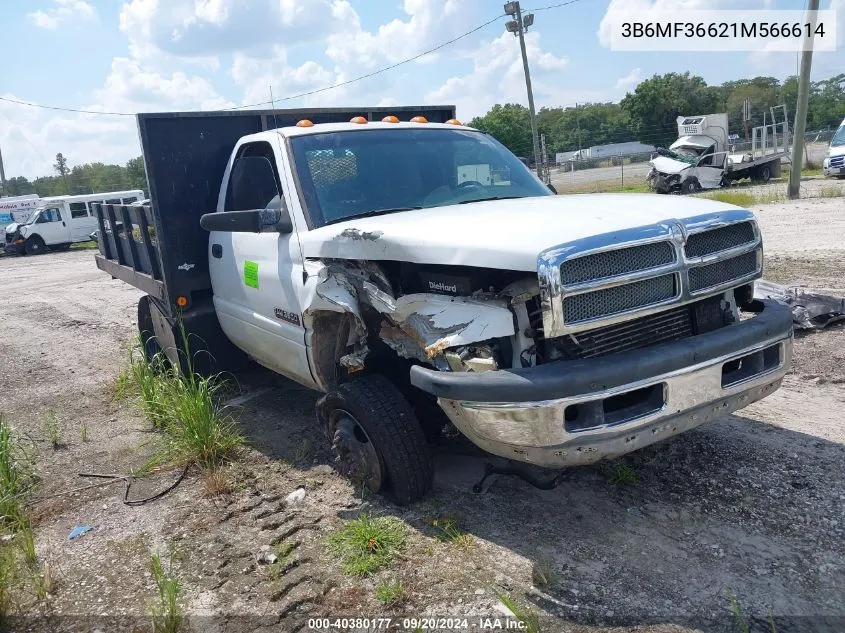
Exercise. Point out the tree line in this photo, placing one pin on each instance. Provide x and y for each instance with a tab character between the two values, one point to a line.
648	113
81	179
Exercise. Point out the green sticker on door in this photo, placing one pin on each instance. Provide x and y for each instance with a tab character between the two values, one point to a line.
251	274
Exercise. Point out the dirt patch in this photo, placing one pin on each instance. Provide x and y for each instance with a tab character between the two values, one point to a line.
750	506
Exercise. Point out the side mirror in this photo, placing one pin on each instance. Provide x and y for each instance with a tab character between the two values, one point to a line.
252	221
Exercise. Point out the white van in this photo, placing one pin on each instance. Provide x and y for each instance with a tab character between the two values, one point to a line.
64	220
834	163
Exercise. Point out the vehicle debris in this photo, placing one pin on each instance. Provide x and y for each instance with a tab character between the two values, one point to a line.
78	531
810	310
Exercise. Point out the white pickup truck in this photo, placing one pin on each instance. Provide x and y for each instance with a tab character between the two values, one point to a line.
358	259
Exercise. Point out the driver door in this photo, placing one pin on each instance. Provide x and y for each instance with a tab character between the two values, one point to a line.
254	275
711	168
52	226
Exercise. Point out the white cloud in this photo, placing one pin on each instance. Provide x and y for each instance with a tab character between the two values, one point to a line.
630	81
256	75
429	23
497	76
204	28
64	11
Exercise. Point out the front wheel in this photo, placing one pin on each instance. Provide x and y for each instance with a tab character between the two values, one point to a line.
764	173
376	438
35	245
690	185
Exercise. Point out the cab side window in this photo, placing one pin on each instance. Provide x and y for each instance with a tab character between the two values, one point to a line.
49	215
254	181
78	210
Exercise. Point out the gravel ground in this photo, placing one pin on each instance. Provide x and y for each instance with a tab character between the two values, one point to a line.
750	507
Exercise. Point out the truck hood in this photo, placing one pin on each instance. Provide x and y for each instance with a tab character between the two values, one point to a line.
666	165
503	234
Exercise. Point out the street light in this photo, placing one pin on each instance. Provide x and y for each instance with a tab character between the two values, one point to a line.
517	26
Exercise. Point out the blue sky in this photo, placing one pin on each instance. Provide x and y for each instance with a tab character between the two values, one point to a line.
153	55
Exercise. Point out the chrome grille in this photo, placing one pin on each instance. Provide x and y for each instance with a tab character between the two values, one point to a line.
721	239
837	161
645	270
721	272
617	262
608	301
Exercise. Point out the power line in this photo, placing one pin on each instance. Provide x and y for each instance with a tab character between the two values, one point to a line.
290	97
309	92
380	70
551	6
61	109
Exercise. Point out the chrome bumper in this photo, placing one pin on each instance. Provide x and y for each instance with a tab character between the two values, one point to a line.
582	428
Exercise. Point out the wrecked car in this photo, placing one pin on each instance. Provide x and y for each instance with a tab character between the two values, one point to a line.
422	278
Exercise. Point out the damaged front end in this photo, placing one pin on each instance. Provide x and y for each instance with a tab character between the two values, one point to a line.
442	330
619	341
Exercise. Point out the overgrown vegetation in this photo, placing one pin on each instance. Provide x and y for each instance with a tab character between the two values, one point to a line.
366	544
19	573
196	427
166	612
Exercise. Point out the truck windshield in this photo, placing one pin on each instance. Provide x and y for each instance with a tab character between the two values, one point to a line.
33	218
839	138
349	174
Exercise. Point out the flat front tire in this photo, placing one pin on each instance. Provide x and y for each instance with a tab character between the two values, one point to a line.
376	438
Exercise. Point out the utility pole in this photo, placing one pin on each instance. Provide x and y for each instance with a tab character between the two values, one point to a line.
801	110
2	175
517	26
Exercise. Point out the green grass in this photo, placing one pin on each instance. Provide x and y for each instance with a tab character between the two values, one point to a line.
166	613
449	529
622	474
738	198
390	592
283	551
15	477
84	246
83	433
529	619
366	544
18	558
812	171
831	191
53	429
736	611
542	573
187	408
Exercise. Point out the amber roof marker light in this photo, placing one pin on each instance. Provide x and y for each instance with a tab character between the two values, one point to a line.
304	123
390	119
419	119
454	122
358	119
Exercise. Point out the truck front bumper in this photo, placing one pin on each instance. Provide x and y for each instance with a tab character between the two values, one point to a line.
571	413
